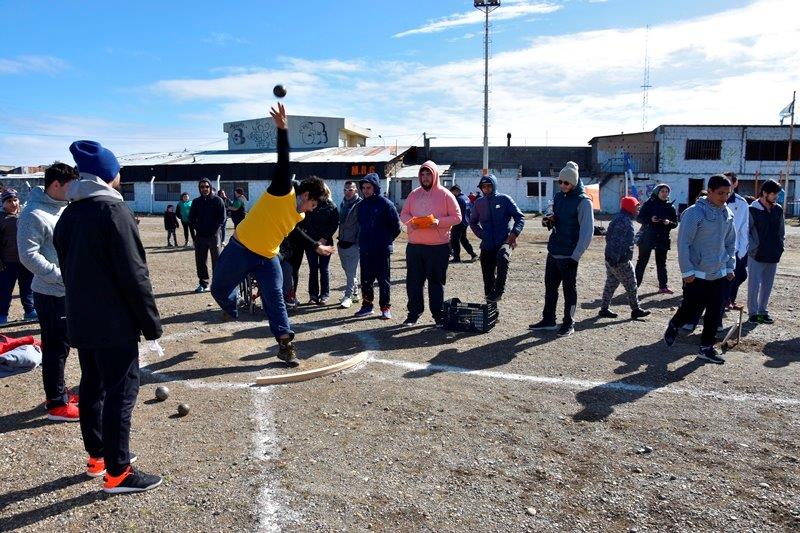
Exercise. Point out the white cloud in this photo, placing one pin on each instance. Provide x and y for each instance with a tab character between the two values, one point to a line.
224	39
517	9
32	63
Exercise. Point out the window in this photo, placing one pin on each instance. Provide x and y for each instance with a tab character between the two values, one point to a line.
128	192
771	150
405	188
703	149
533	188
166	192
230	186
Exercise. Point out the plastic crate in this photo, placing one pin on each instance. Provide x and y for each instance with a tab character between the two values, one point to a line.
463	316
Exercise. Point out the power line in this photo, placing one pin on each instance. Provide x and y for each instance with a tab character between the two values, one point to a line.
112	137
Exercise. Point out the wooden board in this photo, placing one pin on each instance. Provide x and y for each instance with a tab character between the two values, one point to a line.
736	328
305	375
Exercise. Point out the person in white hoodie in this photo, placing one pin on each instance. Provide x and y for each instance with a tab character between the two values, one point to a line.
37	254
741	222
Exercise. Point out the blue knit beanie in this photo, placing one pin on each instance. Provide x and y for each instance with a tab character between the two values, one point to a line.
92	158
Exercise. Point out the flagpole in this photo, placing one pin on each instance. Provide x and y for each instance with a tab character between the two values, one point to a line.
789	157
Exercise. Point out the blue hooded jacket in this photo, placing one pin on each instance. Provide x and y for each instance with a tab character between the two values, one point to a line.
490	217
378	221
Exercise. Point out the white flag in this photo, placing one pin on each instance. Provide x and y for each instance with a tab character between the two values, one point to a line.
787	111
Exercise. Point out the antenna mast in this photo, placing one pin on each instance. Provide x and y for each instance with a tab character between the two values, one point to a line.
646	81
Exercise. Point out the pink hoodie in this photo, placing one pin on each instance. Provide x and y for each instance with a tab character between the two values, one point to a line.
438	202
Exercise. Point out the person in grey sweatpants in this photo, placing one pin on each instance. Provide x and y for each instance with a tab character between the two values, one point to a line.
349	252
765	247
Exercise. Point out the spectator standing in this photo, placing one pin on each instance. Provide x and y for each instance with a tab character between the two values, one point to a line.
572	228
238	207
109	306
707	258
491	220
741	221
227	203
320	224
206	216
658	218
12	272
765	247
171	225
378	227
348	242
38	254
182	211
430	211
458	233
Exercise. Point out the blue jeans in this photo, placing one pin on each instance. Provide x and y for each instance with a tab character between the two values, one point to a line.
234	263
9	276
318	274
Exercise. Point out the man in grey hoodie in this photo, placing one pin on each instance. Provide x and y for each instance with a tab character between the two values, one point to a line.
348	242
707	258
37	254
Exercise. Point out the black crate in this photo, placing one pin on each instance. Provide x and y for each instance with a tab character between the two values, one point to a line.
463	316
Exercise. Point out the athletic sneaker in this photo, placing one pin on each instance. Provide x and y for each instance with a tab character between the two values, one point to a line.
386	313
566	329
765	319
355	298
689	327
708	353
605	312
665	290
33	315
130	481
3	319
366	310
200	289
72	397
287	353
544	324
96	466
494	298
754	319
346	303
64	413
639	313
670	334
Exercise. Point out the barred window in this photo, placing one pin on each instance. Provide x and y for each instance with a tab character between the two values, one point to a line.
533	188
703	149
166	192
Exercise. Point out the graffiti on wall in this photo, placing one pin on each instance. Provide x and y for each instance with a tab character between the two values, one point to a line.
313	133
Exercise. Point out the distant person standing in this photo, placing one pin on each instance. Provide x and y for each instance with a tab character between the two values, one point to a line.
227	203
618	255
707	258
458	233
491	221
741	221
430	211
109	307
171	225
348	242
238	207
320	224
572	228
38	254
658	217
378	227
182	211
765	248
12	271
206	216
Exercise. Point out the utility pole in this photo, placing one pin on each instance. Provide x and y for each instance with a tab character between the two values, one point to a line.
646	81
487	6
789	157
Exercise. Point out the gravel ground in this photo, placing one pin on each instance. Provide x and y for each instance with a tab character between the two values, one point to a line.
604	430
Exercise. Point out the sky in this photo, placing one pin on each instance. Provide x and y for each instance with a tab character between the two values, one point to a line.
163	76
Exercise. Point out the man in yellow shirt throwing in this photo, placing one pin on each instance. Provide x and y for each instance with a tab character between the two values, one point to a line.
254	247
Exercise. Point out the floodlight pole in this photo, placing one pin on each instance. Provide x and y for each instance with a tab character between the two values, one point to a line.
487	6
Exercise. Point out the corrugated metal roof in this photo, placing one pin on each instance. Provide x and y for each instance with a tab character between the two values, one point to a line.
412	171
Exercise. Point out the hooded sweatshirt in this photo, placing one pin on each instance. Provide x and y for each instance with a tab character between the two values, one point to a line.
706	241
109	298
741	221
619	238
348	221
35	241
438	202
378	222
490	218
656	235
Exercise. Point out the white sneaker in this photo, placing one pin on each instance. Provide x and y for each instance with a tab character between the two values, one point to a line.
355	298
346	303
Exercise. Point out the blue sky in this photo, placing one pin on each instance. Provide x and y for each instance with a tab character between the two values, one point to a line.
150	76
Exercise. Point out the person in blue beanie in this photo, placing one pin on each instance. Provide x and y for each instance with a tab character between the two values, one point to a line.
109	307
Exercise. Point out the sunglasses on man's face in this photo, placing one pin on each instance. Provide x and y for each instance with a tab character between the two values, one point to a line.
204	187
562	182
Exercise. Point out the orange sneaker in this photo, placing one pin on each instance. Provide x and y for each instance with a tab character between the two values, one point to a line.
72	397
64	413
130	480
96	466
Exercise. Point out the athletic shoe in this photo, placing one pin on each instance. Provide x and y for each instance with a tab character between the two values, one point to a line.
688	327
64	413
708	353
96	466
323	301
639	313
473	257
130	481
355	298
366	310
3	319
438	322
566	329
544	324
605	312
494	298
670	334
754	319
721	327
411	320
287	353
455	260
386	313
736	307
665	290
346	303
200	289
765	319
313	301
33	315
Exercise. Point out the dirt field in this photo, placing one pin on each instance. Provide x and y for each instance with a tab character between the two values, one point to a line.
605	430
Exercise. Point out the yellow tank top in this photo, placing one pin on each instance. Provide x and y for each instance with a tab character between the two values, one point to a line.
269	221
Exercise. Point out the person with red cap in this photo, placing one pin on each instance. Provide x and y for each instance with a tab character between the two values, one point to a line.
619	253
